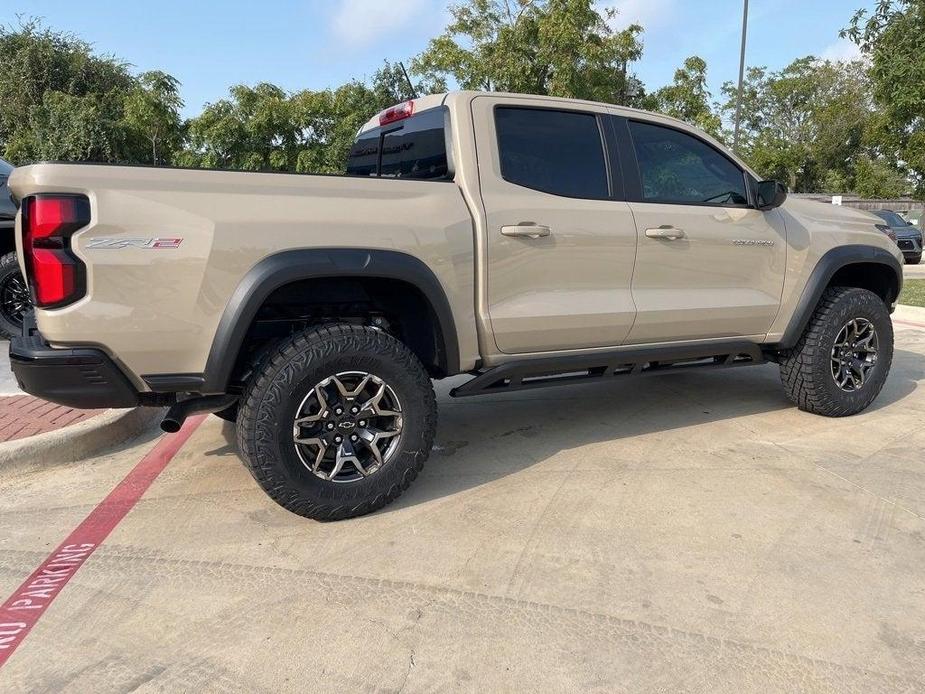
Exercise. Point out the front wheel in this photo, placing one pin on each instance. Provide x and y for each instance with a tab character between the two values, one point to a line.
843	357
337	421
913	259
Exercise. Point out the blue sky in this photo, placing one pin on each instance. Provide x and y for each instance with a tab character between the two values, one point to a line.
319	43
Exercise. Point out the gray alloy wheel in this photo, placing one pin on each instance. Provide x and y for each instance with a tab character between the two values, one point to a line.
336	421
348	427
854	354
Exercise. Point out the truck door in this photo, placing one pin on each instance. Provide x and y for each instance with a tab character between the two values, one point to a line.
709	264
561	239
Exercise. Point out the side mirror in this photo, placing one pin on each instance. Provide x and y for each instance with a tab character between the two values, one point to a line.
770	194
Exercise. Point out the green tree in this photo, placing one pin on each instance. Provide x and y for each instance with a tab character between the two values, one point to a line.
875	179
688	98
329	120
60	100
252	130
265	128
807	124
892	37
152	112
555	47
64	127
390	87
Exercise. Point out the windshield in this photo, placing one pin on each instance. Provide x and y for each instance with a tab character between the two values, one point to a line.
891	218
5	168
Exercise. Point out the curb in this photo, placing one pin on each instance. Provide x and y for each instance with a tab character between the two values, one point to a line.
904	312
78	441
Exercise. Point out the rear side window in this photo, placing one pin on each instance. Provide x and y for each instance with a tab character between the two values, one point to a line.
557	152
411	148
681	169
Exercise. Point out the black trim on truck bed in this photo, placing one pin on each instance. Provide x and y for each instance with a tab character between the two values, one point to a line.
80	377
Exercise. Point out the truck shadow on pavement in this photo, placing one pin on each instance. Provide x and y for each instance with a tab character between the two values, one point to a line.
624	424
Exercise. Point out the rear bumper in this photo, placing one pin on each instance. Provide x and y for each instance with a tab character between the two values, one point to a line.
79	377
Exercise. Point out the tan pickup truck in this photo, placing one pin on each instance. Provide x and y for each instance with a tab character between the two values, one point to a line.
527	241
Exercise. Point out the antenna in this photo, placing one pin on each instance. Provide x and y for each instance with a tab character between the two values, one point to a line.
414	92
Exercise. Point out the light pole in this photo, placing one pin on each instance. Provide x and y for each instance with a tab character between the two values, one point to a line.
735	140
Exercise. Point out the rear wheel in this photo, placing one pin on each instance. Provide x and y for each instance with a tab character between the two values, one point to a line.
843	358
337	421
14	296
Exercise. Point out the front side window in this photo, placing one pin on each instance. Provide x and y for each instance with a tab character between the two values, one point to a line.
557	152
681	169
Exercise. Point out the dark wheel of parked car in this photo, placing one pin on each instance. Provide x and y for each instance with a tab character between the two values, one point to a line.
14	296
337	421
843	358
914	259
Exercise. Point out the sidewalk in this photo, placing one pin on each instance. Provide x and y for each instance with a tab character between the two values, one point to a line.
22	415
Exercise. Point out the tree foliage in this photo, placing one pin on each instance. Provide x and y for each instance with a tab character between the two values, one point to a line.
152	112
58	99
892	37
555	47
807	124
820	126
264	128
688	98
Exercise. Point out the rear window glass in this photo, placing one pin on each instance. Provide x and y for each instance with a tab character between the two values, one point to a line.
557	152
412	148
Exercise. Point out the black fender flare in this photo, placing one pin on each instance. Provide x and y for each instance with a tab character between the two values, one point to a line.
286	267
830	263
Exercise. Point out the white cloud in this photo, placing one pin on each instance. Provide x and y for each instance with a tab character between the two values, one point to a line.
649	13
362	21
841	50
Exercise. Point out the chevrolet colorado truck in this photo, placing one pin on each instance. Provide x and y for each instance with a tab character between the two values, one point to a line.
527	241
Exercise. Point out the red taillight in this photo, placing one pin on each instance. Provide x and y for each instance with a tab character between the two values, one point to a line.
55	275
397	113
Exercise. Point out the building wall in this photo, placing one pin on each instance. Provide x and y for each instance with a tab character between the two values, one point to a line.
901	205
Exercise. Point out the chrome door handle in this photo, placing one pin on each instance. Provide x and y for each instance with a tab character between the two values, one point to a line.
526	230
667	232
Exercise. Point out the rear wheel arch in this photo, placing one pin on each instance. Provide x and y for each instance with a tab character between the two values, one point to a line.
862	267
370	268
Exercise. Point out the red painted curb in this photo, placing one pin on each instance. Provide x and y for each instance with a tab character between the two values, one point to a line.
23	609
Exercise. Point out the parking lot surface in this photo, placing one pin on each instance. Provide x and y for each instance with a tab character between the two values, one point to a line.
685	533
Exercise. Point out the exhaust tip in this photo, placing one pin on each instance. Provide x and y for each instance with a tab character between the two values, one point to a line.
171	426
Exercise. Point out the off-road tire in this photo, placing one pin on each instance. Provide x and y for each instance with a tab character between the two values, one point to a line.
914	259
278	386
806	370
9	270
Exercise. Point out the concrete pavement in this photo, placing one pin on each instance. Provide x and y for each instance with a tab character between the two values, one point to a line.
914	272
691	532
